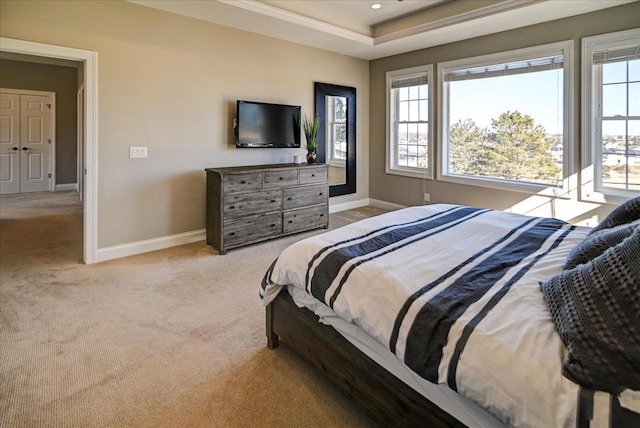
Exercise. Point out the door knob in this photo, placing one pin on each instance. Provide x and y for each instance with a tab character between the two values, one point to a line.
25	148
14	148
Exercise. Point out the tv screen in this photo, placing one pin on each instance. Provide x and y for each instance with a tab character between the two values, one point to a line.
267	125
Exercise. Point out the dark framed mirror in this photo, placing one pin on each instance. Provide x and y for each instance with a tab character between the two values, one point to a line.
335	105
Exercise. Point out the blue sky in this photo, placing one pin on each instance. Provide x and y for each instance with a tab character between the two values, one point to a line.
487	99
540	95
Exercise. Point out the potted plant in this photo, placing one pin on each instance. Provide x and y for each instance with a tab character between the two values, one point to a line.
310	126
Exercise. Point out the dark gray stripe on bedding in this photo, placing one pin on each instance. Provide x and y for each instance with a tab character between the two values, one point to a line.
328	247
359	262
430	329
393	340
328	270
468	329
266	280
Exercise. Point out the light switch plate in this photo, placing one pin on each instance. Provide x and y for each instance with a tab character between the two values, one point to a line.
137	152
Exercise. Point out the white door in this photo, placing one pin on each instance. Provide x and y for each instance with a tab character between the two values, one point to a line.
9	143
35	141
25	152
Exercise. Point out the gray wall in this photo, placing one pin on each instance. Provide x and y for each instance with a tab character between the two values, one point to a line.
409	191
171	83
62	81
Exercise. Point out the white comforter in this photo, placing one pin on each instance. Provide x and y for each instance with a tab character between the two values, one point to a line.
454	292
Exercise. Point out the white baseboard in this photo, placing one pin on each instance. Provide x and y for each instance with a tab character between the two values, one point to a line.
68	186
133	248
385	205
334	208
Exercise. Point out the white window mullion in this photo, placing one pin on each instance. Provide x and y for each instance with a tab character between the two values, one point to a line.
597	53
397	81
597	124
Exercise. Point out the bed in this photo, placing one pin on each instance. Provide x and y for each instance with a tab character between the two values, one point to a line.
435	316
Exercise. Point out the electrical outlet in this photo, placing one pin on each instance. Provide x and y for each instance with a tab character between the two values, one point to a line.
427	197
137	152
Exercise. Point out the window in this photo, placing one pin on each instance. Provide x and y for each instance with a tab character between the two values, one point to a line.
611	116
410	124
337	129
505	119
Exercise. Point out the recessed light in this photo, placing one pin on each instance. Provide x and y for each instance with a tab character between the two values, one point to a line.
376	6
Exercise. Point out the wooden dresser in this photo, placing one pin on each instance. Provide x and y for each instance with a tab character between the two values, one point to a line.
249	204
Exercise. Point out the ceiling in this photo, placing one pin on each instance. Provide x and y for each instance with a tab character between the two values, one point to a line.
355	15
352	27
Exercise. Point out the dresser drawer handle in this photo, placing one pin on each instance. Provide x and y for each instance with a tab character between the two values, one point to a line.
313	175
273	225
232	233
320	193
321	215
290	221
272	201
288	199
232	207
280	178
243	182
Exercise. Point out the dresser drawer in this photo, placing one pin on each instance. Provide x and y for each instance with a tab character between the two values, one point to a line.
305	218
253	229
305	196
287	177
242	182
246	204
313	175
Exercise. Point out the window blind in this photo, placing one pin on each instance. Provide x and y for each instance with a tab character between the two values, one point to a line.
627	53
508	69
409	81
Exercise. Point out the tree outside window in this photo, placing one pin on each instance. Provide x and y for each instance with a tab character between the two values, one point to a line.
503	119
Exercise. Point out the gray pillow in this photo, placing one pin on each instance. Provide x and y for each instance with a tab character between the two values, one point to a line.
617	226
596	310
625	213
599	241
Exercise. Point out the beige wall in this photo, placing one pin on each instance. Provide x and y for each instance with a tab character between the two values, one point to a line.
62	81
409	191
170	83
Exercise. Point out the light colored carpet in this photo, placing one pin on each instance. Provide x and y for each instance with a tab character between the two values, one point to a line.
170	338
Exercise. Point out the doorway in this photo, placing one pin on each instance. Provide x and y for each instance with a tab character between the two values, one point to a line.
90	164
27	141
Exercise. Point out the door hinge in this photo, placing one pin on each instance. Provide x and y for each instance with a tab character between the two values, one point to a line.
49	175
49	105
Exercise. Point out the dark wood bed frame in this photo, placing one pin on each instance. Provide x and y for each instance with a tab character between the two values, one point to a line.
389	399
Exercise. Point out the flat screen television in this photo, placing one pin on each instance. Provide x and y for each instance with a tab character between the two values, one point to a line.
267	125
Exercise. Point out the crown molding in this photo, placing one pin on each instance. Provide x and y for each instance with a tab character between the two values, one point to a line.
460	18
267	20
294	18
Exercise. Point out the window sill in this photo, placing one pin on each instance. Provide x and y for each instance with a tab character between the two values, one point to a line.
410	172
531	188
607	196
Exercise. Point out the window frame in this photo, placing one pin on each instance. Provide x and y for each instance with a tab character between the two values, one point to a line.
569	180
592	189
329	129
392	166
